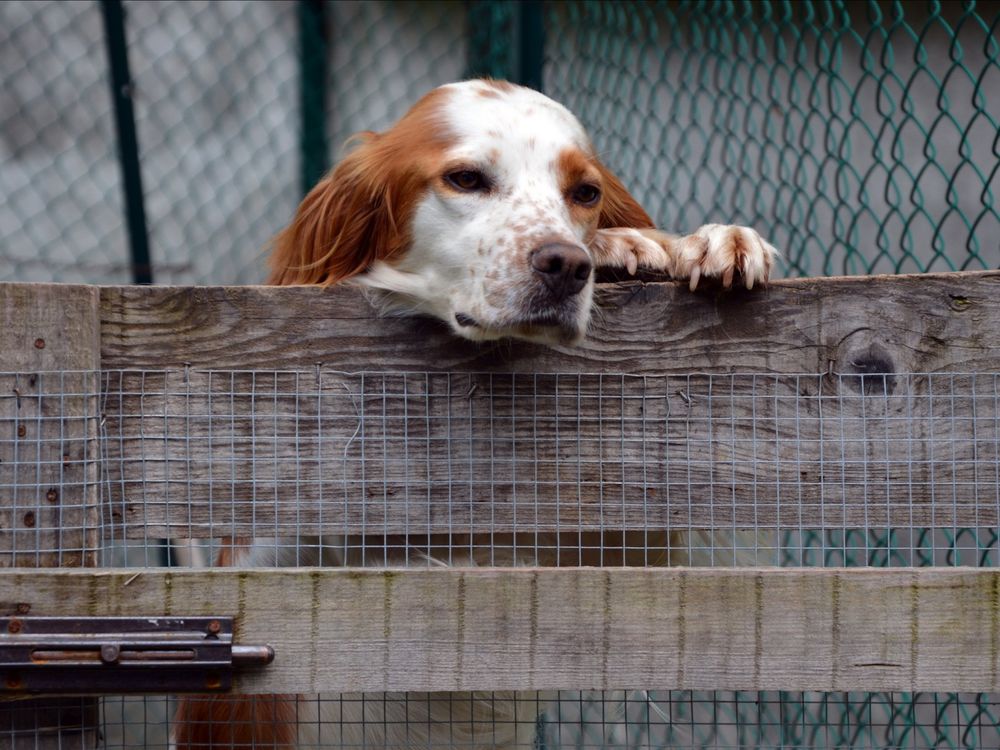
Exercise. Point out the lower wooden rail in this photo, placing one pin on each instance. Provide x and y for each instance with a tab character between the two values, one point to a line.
342	630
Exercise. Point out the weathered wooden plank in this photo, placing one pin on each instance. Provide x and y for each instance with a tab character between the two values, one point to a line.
327	452
49	390
571	628
199	454
49	460
212	453
920	323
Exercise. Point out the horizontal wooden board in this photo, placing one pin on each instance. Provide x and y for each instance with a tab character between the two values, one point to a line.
196	454
395	426
919	323
570	628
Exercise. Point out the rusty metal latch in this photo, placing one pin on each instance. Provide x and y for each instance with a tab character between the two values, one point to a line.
122	654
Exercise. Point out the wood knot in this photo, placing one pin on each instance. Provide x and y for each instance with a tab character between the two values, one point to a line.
865	364
873	372
959	302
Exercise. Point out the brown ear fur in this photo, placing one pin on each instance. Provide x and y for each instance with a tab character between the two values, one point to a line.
619	208
360	212
343	225
236	722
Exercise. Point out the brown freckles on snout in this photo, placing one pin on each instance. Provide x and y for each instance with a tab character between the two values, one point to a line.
576	170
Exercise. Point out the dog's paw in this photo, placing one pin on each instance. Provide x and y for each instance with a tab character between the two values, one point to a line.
722	251
621	247
715	251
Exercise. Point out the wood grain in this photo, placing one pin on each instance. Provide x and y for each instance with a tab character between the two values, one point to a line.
919	323
50	341
214	454
49	512
395	426
572	628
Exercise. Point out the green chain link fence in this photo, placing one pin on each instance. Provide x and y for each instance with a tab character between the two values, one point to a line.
860	137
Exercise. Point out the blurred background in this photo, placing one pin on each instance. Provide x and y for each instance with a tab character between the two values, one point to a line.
168	141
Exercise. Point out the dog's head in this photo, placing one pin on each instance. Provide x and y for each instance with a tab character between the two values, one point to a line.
477	207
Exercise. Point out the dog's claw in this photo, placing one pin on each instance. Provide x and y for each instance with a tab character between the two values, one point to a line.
729	251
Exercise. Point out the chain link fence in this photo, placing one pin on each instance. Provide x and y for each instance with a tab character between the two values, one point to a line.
860	137
61	211
218	98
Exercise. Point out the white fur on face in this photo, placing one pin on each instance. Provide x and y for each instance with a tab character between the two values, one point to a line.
471	252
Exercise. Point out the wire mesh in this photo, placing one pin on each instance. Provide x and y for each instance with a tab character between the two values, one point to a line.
61	216
668	719
400	468
674	719
562	469
858	137
217	117
385	56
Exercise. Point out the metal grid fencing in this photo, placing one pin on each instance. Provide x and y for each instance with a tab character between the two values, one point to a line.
685	720
418	468
858	137
61	217
493	469
399	469
675	719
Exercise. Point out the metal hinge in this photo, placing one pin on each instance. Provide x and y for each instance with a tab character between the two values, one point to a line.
122	654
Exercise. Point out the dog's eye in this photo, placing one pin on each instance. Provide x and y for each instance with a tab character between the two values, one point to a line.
467	180
585	194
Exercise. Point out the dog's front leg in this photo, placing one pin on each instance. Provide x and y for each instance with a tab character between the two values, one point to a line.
715	251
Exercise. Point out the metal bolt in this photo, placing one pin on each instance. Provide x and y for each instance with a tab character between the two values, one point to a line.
22	430
52	495
214	626
29	519
23	608
14	626
12	681
39	343
110	653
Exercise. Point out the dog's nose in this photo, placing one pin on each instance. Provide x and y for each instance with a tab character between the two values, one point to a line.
563	268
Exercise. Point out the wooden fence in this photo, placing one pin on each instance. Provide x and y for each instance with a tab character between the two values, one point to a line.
536	628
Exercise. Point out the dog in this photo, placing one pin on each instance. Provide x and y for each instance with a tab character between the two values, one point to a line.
486	206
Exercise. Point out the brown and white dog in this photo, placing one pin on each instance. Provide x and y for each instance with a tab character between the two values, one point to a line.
487	207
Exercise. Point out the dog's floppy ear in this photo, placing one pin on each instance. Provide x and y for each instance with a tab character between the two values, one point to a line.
343	225
619	208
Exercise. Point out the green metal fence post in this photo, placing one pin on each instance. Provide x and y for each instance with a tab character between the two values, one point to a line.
530	44
506	40
490	36
313	49
128	145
